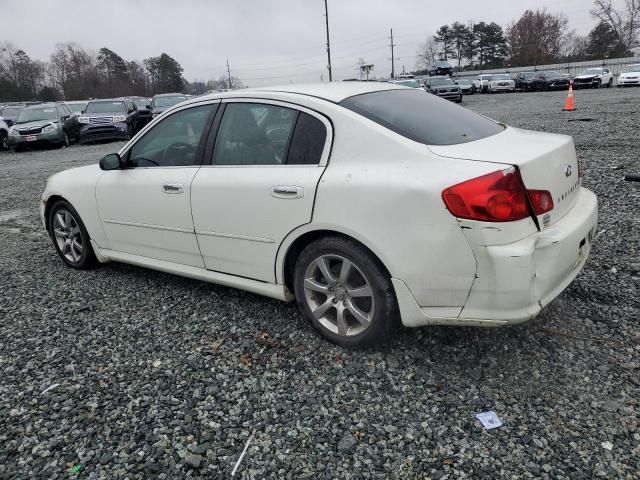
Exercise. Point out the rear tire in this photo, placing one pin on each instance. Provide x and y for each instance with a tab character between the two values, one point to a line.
345	293
4	140
70	237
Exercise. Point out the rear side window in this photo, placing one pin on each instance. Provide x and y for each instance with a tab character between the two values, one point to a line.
307	142
422	117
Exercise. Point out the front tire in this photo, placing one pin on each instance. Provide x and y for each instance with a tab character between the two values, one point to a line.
65	140
610	83
345	293
70	237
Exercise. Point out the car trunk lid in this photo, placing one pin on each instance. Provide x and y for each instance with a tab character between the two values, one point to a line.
546	162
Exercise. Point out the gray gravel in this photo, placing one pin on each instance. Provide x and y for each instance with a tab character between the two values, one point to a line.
163	377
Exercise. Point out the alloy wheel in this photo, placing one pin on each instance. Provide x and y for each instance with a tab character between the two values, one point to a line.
339	295
66	232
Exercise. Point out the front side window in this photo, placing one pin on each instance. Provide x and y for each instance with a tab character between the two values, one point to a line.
423	118
174	141
253	134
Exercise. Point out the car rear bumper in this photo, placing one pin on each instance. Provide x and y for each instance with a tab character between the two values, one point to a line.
515	281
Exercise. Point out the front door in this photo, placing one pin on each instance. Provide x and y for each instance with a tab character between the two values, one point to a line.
146	208
260	185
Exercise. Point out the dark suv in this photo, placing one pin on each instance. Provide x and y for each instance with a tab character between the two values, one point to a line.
114	119
550	81
525	81
440	67
443	87
143	104
43	124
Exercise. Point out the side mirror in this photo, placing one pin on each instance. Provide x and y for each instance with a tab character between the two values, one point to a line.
111	161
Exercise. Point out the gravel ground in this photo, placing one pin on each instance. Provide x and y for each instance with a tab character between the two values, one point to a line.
122	372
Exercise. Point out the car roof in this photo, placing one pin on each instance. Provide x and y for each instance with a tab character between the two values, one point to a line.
331	91
170	95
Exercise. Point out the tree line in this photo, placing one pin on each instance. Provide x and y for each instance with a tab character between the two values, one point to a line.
536	38
73	73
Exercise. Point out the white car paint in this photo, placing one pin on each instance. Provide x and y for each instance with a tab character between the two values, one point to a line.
481	82
630	75
604	76
499	84
374	185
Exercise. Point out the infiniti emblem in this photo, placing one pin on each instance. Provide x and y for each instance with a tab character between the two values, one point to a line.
567	171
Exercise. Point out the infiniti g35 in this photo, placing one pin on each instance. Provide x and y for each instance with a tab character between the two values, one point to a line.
365	203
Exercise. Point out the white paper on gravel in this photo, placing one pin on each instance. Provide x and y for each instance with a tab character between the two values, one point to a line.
489	420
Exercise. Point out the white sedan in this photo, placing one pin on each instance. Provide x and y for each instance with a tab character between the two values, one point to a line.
367	203
629	76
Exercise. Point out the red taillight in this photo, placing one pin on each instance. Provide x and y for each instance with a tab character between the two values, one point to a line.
496	197
541	201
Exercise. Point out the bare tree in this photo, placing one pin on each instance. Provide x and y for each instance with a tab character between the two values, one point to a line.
624	22
427	53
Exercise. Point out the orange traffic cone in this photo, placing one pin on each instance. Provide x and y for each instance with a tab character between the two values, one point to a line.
568	105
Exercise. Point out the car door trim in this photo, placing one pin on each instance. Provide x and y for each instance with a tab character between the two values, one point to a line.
236	236
148	225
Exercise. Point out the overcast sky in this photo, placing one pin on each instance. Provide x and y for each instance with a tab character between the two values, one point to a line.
266	41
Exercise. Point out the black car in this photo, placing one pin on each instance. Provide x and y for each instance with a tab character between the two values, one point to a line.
112	119
550	81
11	112
443	87
143	105
525	81
44	124
440	67
161	102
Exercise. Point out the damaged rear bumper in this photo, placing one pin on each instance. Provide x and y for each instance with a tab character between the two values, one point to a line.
515	281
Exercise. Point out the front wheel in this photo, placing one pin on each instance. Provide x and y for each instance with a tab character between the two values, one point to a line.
610	83
344	292
70	237
65	140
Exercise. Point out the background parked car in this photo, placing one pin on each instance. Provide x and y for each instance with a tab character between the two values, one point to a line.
10	112
550	80
4	135
443	87
143	104
77	106
161	102
466	86
440	67
593	78
44	124
630	76
481	82
410	82
501	82
524	81
111	119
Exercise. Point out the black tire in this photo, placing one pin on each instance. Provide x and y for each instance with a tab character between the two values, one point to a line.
87	259
383	309
459	100
130	132
17	148
4	140
65	140
610	83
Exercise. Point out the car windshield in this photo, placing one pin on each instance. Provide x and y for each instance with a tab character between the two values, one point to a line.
408	83
439	82
463	82
553	74
35	114
631	68
442	64
502	76
105	107
421	117
485	77
76	107
11	112
592	71
528	75
168	101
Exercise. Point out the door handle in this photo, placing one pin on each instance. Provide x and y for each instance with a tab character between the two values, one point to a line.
287	191
172	188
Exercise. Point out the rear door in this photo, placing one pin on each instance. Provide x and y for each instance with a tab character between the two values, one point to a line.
265	165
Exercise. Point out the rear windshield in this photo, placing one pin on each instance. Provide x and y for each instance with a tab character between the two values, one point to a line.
422	117
105	107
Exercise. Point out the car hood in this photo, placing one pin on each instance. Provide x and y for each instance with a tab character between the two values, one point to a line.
103	114
585	77
34	124
629	74
556	79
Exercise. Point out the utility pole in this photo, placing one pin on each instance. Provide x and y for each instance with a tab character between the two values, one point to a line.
229	74
393	70
326	14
